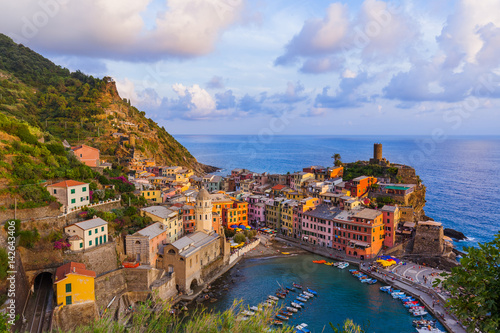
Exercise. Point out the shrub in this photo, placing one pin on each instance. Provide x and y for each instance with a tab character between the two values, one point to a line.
28	238
17	227
239	238
4	263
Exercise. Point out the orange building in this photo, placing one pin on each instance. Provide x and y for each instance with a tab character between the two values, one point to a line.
229	210
335	172
366	231
360	185
87	155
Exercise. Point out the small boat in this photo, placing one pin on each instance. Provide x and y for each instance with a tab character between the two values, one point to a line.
373	281
285	252
385	288
319	261
429	329
299	303
255	309
343	265
247	313
410	304
296	305
352	270
304	296
281	317
274	298
301	299
291	309
302	328
297	285
266	304
398	296
308	293
312	291
415	308
281	295
290	288
365	280
286	313
277	322
424	322
329	263
419	313
397	293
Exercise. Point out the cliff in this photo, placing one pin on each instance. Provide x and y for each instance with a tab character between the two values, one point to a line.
81	109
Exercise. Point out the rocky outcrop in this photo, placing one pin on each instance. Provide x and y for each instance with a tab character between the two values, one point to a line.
457	235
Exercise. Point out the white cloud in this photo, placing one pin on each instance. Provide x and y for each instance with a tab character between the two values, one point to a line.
115	28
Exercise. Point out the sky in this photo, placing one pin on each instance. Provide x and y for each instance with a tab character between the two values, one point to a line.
410	67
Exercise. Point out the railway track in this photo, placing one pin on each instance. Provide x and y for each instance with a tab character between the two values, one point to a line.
44	294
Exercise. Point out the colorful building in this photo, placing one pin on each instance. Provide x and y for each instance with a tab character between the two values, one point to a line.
365	234
87	234
70	193
317	225
152	195
171	218
87	155
74	284
391	222
286	216
143	245
359	186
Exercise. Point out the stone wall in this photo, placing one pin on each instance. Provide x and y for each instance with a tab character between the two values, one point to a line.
33	213
100	259
68	317
241	251
108	286
210	270
428	240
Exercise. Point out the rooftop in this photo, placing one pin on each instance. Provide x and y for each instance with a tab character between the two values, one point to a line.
72	267
160	211
430	223
367	213
90	224
152	231
323	212
193	242
67	183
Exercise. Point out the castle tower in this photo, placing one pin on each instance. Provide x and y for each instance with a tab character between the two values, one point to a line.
377	152
203	210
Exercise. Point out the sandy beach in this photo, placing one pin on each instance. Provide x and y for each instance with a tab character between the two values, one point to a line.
269	247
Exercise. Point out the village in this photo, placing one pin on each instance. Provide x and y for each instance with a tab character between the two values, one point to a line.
195	221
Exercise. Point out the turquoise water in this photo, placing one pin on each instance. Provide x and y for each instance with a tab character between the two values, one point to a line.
462	174
340	295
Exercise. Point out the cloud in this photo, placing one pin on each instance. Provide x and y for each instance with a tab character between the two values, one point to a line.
347	95
216	82
225	100
294	93
115	28
376	32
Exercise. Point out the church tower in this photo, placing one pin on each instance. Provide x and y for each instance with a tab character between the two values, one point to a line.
203	210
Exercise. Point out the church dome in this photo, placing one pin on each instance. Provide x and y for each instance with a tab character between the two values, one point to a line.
203	195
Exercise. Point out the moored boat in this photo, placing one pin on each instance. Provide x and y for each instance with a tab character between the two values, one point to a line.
373	281
429	329
343	265
274	298
302	328
419	313
297	285
296	305
301	299
312	291
299	303
308	294
304	296
291	309
424	322
255	309
277	322
247	313
290	288
281	317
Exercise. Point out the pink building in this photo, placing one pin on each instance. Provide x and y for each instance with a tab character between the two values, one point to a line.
143	246
317	225
391	221
256	209
87	155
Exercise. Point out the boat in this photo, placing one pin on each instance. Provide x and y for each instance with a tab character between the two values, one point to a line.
353	270
274	298
373	281
297	285
343	265
304	296
419	313
277	322
296	305
299	303
247	313
312	291
410	304
302	328
301	299
290	288
285	252
365	280
385	288
291	309
429	329
255	309
329	263
319	261
424	322
308	293
399	295
281	295
281	317
415	308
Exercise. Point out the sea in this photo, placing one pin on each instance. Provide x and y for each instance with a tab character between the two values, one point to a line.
462	176
461	173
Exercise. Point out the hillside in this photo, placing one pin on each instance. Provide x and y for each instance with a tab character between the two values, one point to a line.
81	109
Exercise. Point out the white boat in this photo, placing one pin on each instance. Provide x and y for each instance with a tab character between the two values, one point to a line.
274	298
291	309
254	308
427	329
308	294
296	305
396	293
302	328
301	299
419	313
247	313
366	280
343	265
304	296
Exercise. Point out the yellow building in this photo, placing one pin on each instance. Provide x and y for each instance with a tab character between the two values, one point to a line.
74	284
153	195
287	209
295	195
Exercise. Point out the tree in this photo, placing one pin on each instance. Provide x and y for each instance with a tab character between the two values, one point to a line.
348	327
239	238
475	287
337	160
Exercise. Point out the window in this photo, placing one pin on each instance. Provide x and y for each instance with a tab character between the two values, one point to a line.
90	243
96	231
84	189
81	245
90	232
55	191
69	300
73	191
102	228
68	287
73	201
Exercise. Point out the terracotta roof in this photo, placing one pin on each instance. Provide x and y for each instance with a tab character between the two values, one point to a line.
75	268
278	187
83	146
67	183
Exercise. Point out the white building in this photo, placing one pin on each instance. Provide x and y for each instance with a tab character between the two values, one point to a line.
87	234
70	193
171	218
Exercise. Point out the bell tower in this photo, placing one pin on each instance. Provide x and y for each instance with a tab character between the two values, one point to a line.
203	210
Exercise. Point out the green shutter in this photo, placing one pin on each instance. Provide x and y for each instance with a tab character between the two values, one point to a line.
81	245
72	191
102	228
73	201
68	287
90	232
69	300
90	243
84	189
104	238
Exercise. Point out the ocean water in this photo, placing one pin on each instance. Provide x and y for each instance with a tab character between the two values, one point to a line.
340	295
462	174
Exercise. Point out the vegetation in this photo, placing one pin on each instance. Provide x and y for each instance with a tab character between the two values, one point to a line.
4	263
337	160
475	287
348	327
353	170
239	238
28	238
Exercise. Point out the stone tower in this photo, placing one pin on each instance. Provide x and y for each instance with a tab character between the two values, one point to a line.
377	151
203	210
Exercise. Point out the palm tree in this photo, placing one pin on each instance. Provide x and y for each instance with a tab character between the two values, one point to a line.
337	159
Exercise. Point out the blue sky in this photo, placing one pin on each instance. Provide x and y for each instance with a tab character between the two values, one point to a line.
282	67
